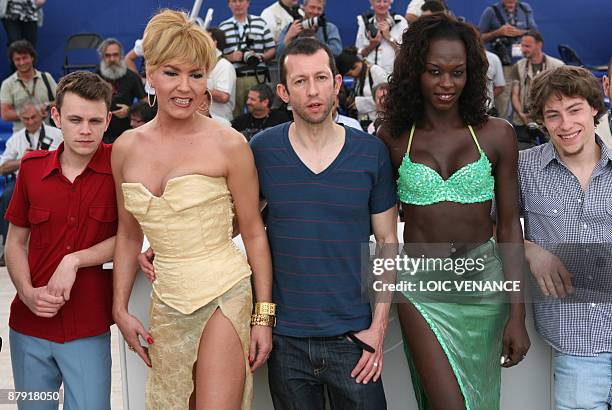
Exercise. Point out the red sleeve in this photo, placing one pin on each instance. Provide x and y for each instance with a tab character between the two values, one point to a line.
17	212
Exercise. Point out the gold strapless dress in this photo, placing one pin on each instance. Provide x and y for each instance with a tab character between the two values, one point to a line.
198	269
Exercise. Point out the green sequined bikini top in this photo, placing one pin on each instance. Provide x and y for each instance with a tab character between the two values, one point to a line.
418	184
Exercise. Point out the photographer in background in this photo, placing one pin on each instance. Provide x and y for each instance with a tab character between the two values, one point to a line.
502	26
314	24
521	78
279	14
379	34
34	136
248	44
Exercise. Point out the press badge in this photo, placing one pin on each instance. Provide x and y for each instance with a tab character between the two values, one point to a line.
516	51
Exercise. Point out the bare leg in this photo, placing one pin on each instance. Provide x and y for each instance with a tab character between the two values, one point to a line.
434	370
220	368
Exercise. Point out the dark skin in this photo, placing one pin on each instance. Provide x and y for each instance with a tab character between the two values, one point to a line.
443	142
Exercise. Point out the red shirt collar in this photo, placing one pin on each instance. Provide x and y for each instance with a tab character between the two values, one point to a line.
99	162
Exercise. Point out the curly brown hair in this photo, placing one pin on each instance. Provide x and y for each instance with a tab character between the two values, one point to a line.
568	81
404	103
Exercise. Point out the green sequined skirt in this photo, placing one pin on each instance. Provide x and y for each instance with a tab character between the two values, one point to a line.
469	328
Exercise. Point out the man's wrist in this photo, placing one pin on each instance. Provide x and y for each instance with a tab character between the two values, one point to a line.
73	260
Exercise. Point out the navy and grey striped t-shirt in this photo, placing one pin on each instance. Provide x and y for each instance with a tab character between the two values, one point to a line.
253	34
316	226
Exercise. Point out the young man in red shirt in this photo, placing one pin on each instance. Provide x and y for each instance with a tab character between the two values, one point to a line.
63	220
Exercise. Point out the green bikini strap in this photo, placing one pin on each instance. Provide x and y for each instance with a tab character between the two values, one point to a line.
410	139
474	137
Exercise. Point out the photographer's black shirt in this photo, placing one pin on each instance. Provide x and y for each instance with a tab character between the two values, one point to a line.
249	125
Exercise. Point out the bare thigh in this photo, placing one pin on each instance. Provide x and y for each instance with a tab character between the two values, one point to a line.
435	372
219	373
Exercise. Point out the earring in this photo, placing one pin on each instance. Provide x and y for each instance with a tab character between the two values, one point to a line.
151	104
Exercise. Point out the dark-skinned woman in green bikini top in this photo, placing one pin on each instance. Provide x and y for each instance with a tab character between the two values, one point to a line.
451	161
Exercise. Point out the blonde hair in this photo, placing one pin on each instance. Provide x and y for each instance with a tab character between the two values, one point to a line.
170	35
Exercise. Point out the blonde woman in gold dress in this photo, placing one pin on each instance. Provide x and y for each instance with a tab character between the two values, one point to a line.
180	179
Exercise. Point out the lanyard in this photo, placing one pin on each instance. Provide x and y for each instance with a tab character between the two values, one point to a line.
246	27
31	94
41	137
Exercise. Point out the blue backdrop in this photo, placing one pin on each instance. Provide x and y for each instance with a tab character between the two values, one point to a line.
585	25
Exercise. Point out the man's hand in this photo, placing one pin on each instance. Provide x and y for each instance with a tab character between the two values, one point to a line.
370	366
260	347
294	30
515	342
552	276
132	330
508	30
122	111
41	302
145	260
235	57
63	278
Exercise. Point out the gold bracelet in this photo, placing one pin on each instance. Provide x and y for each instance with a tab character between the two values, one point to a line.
265	308
263	320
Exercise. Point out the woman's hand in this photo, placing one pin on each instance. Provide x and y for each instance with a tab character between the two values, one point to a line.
516	342
261	346
132	330
145	260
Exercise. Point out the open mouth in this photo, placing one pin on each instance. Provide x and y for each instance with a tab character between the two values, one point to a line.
569	137
445	98
182	102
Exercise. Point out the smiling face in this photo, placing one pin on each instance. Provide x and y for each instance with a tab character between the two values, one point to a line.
311	86
24	63
313	8
180	88
82	122
570	124
380	7
445	73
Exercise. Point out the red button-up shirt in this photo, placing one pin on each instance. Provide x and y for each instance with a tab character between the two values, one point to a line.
63	218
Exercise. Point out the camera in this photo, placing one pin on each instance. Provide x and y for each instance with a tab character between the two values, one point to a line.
250	58
313	23
369	26
500	46
44	143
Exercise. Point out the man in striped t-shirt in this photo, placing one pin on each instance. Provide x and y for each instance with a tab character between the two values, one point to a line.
248	44
326	187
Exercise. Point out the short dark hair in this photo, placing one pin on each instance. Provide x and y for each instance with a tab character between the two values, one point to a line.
86	85
264	91
143	110
21	47
346	60
433	6
219	36
566	81
535	34
305	46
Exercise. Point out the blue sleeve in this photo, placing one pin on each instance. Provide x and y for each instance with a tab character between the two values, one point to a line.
280	42
383	195
530	20
485	24
334	41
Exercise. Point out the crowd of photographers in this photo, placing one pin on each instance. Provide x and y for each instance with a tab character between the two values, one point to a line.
241	86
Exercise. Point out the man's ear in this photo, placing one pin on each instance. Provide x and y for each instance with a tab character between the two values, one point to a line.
282	92
337	83
109	116
55	114
605	80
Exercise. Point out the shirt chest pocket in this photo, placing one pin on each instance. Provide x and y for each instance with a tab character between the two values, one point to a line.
544	218
40	227
101	224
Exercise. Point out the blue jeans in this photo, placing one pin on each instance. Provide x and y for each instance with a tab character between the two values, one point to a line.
83	365
300	369
583	383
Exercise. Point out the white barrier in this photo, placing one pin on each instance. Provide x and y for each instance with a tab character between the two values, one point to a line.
527	386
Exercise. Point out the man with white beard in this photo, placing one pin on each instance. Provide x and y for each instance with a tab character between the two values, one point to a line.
126	87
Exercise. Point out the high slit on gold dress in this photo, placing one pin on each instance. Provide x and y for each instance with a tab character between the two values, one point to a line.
198	269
